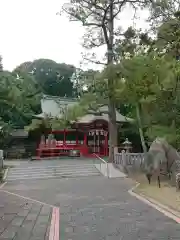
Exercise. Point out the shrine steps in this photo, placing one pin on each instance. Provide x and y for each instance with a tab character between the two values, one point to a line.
49	171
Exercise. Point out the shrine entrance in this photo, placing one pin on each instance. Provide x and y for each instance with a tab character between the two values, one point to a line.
88	139
97	141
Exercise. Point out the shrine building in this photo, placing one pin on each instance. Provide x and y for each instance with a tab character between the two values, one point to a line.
88	134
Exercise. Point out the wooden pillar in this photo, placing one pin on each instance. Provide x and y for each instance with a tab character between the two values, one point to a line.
84	149
85	138
64	140
38	154
106	144
94	139
39	150
77	138
98	142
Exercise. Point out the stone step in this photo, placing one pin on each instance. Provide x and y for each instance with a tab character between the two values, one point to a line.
54	176
50	170
54	171
52	166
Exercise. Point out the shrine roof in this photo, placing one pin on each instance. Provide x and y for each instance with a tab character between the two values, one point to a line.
103	115
54	106
89	118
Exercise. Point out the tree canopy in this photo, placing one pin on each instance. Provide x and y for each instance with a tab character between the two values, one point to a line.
54	78
16	107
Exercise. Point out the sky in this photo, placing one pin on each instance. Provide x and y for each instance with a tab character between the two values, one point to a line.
31	29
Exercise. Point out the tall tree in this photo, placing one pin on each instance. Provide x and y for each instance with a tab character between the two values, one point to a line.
132	43
98	17
54	78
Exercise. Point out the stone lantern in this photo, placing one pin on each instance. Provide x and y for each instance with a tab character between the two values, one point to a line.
127	145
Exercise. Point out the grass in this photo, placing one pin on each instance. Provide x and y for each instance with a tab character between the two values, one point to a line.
166	195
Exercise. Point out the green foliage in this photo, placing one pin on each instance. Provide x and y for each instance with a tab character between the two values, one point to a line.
163	10
16	107
168	37
144	76
152	83
4	132
169	132
53	78
35	124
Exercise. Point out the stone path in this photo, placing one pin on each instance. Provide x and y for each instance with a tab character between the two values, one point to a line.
52	169
97	208
23	220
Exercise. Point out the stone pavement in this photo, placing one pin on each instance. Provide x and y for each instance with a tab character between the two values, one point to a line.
97	208
23	220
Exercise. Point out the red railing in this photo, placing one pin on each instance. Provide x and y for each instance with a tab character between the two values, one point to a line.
59	150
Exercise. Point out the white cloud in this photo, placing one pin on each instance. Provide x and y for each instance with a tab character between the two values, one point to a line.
30	29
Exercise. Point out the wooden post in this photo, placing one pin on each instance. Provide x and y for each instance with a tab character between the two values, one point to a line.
98	142
40	146
106	145
85	138
76	138
94	139
64	140
38	155
84	147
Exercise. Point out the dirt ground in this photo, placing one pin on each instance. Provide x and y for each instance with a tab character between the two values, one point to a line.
166	195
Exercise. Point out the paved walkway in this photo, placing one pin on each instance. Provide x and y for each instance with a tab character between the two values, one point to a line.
97	208
23	220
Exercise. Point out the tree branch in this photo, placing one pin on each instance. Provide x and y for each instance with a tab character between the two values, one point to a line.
86	24
93	44
119	9
96	62
94	4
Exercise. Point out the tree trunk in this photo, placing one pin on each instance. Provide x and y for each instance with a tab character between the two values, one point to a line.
111	105
112	130
140	128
